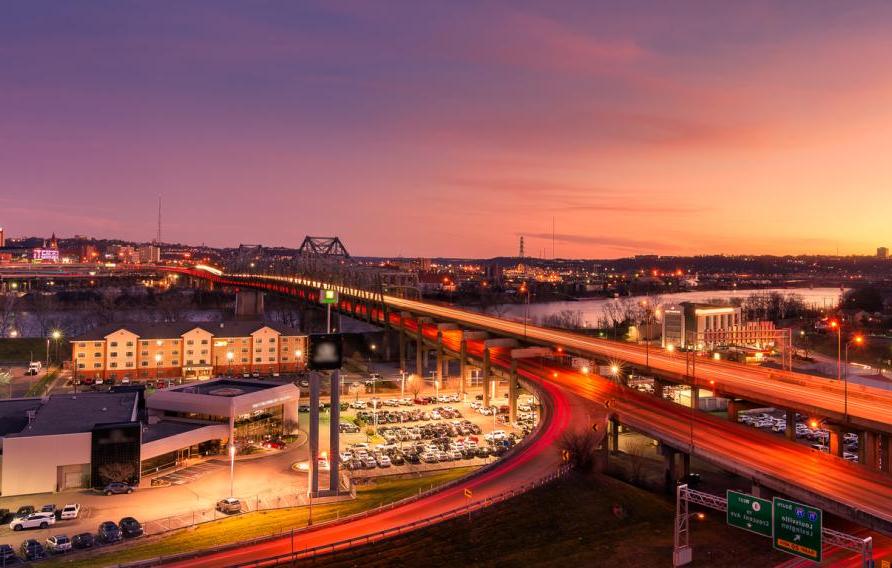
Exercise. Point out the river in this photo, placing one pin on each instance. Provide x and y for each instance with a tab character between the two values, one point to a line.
592	310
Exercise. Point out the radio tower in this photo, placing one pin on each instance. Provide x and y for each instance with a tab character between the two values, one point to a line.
521	247
158	236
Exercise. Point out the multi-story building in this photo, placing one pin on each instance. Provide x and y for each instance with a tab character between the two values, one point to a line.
686	324
149	254
883	252
186	349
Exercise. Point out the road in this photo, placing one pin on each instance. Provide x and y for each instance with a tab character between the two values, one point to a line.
867	407
530	463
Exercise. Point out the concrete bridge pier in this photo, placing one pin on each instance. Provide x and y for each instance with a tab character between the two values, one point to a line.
512	392
248	304
486	377
463	362
420	354
659	385
790	429
404	316
886	453
868	446
614	433
733	410
670	471
836	446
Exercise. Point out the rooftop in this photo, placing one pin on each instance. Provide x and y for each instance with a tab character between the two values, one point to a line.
167	428
176	329
14	414
225	387
74	413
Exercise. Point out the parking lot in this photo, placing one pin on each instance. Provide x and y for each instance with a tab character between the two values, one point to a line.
813	434
386	436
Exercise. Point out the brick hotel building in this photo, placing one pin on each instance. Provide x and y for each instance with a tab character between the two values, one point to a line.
186	349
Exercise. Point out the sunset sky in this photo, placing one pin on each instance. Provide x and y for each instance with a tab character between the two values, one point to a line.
451	128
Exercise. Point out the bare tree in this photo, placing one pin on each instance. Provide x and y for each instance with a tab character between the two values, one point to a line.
117	472
581	447
637	452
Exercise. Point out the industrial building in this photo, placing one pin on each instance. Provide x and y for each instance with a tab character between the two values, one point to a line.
83	440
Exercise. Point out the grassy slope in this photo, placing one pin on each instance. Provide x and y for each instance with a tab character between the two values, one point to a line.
568	523
253	525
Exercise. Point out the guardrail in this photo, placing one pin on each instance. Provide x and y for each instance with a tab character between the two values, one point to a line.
376	536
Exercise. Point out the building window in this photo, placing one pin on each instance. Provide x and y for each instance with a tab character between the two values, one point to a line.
190	342
244	350
202	362
129	344
174	352
189	361
272	359
97	344
204	351
144	343
113	364
130	354
144	353
204	341
190	352
113	344
129	363
258	350
174	364
81	366
244	359
81	355
258	360
145	363
81	344
113	354
284	358
272	349
97	365
97	354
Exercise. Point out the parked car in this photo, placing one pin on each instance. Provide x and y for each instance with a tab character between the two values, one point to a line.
24	511
70	511
229	506
274	444
82	540
109	532
33	521
58	544
117	488
7	555
33	550
130	527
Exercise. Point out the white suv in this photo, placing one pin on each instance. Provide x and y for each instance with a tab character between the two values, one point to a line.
33	521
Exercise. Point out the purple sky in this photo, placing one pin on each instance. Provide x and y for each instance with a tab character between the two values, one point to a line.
452	128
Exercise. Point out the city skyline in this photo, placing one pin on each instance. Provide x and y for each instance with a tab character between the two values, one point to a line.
434	130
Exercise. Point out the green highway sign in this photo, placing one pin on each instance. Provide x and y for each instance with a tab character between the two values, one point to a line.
328	297
749	513
797	529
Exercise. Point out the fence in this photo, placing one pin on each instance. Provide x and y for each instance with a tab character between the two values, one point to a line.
376	536
249	505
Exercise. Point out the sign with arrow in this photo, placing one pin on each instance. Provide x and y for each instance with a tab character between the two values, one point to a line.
469	493
748	513
798	529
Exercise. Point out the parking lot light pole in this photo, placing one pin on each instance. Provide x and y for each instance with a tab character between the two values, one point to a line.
231	469
402	383
157	365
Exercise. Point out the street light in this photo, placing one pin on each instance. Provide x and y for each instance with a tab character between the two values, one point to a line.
229	356
55	335
157	365
857	341
835	325
231	469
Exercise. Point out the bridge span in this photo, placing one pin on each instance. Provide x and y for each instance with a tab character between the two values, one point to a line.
851	491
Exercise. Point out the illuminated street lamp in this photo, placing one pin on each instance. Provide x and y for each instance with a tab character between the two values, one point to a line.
157	365
857	341
229	356
835	325
55	335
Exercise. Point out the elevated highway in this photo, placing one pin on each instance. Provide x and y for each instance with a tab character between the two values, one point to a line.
849	490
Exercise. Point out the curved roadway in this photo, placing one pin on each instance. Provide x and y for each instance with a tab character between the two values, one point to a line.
529	464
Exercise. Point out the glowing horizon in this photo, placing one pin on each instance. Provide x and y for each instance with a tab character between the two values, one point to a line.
452	130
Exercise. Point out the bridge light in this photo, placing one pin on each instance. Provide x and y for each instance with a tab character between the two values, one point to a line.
813	424
717	356
585	370
614	369
670	348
